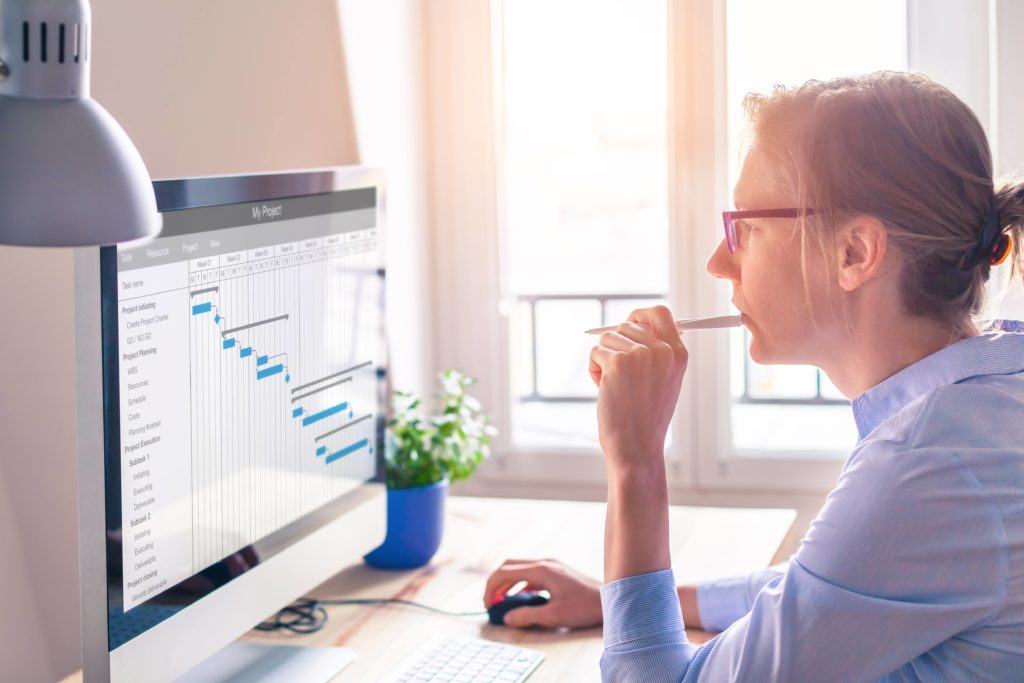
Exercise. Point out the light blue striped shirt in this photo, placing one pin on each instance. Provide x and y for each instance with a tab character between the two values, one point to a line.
912	571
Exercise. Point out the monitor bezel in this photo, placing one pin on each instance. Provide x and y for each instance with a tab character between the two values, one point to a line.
365	501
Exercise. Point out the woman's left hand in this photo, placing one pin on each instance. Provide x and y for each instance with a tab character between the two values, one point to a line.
638	369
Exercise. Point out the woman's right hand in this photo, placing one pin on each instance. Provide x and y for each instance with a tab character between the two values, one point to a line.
575	597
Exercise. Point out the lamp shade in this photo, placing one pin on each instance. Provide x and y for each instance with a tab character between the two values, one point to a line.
69	174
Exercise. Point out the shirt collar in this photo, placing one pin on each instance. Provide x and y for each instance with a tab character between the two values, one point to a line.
999	352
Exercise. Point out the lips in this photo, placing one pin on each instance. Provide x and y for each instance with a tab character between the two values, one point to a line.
744	318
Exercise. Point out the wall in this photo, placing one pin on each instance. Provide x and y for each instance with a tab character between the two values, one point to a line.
225	87
202	88
39	635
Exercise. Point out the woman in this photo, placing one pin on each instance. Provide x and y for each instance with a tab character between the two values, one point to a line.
914	568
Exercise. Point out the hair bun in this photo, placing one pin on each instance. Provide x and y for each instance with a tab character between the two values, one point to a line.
989	243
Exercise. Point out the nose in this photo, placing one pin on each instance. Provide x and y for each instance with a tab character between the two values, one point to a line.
722	264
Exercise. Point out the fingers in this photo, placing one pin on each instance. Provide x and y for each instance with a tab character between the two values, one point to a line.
628	337
617	341
547	616
639	334
659	320
509	575
645	338
600	357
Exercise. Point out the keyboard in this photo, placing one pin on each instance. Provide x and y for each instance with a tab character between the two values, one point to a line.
465	660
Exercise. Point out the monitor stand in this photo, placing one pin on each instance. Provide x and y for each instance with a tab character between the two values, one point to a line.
262	663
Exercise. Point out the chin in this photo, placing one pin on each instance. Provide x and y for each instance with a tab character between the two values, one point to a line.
766	354
758	352
762	352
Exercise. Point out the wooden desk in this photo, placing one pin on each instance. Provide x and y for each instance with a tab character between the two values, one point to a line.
480	533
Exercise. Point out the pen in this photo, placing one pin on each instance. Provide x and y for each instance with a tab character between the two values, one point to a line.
689	324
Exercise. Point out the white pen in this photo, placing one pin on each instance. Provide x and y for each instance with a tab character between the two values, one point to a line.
689	324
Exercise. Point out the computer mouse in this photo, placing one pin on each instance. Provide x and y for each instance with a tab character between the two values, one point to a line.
496	612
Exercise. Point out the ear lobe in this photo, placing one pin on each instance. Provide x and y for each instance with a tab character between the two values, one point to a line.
862	243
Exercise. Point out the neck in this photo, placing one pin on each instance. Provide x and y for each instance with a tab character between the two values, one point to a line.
881	347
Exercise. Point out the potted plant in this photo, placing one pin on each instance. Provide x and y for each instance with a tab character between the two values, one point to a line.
421	458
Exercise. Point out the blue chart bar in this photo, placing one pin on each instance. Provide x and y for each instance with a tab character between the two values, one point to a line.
267	372
346	450
247	351
327	412
228	343
321	450
296	412
261	360
202	308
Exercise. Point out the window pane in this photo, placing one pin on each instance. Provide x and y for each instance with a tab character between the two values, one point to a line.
583	104
585	148
564	425
782	381
563	350
829	390
813	431
788	42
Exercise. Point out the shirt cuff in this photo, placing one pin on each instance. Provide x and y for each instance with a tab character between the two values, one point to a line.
641	607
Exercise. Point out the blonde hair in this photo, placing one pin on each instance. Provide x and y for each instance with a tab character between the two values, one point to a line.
907	151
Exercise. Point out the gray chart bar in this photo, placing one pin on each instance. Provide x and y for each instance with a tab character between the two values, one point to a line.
332	376
204	291
319	389
344	426
255	324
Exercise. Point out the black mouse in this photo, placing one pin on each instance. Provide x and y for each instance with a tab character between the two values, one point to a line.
496	612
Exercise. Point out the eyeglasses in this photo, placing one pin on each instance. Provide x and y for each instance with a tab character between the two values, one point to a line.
729	219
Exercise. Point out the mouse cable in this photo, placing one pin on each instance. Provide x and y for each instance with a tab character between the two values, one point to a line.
307	615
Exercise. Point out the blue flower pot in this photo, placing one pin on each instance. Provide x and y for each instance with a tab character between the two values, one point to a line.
415	527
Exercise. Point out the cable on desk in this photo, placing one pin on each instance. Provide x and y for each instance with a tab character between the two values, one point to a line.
307	615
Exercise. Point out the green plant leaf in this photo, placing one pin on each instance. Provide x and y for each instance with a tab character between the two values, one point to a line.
452	443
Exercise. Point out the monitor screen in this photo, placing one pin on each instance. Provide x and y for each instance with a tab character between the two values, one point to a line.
243	367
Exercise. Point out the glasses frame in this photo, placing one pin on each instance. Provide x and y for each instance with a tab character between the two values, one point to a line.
729	219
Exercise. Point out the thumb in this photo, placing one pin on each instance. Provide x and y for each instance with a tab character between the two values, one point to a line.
522	617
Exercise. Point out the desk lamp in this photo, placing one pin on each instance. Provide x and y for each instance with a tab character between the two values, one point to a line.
69	174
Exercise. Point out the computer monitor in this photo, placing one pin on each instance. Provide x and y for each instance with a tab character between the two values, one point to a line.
232	389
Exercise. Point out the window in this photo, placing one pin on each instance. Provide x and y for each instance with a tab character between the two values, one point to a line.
583	162
588	148
583	167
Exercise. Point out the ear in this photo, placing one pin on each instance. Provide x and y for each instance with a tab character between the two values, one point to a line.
861	246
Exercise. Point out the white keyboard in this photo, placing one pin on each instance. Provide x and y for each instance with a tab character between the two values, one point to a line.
465	660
